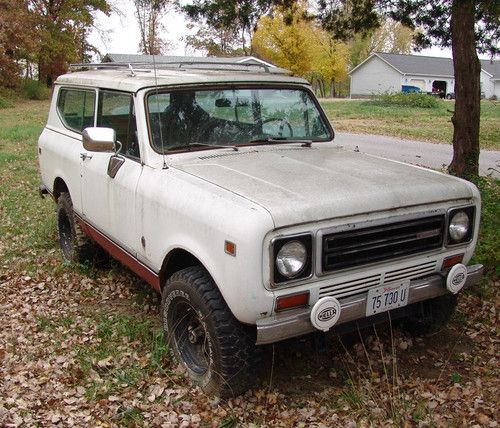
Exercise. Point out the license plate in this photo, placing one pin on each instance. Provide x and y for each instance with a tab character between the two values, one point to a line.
387	297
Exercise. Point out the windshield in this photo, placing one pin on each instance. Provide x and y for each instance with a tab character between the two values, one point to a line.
232	117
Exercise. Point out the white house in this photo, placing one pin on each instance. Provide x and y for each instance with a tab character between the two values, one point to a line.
385	72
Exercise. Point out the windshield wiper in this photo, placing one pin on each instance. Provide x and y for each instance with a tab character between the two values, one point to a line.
280	140
217	146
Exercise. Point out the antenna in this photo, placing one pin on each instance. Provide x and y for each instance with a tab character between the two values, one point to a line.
159	116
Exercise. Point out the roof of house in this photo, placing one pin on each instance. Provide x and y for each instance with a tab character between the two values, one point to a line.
428	65
161	59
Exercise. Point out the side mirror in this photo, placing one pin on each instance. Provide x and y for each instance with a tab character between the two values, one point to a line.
99	139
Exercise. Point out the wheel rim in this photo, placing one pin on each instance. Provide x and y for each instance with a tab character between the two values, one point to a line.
190	335
65	235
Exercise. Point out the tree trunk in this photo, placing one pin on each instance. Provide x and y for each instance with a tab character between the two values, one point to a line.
467	68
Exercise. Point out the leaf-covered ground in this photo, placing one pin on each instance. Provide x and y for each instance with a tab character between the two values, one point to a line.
83	346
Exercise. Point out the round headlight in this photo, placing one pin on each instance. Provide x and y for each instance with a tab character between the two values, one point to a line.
459	226
291	259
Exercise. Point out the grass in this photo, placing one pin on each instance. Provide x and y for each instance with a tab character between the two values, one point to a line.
425	124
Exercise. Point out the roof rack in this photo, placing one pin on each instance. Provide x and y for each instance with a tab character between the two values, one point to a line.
147	66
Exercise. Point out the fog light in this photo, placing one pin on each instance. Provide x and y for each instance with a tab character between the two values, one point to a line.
456	278
325	313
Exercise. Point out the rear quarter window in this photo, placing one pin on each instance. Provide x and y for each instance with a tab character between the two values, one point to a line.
76	108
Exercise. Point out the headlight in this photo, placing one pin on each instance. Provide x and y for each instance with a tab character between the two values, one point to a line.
460	225
291	259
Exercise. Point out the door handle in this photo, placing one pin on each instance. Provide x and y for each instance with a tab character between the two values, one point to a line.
84	156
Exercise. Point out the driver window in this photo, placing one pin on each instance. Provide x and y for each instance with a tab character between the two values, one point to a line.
116	110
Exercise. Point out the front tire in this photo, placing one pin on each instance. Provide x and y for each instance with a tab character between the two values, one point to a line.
218	351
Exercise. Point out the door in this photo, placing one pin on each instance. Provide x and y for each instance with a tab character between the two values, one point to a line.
108	199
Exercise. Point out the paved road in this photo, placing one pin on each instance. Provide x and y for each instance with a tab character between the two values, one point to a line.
415	152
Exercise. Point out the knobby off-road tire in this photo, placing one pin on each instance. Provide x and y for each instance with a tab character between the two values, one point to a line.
434	315
218	351
76	247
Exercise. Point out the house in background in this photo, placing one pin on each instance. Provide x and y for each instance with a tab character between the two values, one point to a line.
385	72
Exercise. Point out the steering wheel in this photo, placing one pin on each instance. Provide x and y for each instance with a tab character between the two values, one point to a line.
282	122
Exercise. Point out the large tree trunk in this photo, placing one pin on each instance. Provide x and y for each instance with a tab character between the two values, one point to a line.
466	117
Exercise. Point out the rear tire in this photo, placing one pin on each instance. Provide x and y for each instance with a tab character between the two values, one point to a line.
76	247
218	351
433	315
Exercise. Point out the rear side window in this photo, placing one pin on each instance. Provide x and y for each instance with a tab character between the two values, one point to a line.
76	108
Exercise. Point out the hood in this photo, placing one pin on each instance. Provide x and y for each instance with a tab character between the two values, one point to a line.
299	184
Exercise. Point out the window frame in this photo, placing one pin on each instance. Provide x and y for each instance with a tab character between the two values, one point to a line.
229	86
80	89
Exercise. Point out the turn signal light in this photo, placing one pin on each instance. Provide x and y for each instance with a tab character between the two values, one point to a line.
293	301
448	262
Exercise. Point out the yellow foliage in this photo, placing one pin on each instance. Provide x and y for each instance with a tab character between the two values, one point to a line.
301	46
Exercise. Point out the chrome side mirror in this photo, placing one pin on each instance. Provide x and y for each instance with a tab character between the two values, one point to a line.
99	139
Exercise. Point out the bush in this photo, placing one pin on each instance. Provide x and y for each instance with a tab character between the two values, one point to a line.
400	99
5	103
35	90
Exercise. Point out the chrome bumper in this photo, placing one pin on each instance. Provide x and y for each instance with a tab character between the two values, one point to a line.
297	322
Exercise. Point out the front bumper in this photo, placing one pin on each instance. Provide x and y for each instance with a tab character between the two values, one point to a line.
297	322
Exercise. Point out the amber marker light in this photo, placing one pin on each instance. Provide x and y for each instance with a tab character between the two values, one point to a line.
293	301
230	248
449	262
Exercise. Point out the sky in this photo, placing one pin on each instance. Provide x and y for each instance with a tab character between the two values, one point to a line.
120	34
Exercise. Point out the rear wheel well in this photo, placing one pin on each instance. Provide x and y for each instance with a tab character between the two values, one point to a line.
175	261
59	187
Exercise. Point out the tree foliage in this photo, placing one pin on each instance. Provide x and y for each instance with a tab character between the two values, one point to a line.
237	18
148	14
222	42
390	37
61	28
16	44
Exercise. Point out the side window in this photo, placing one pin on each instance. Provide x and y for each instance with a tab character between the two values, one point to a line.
116	110
76	108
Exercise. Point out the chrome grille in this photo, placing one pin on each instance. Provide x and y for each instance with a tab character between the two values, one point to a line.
377	243
361	285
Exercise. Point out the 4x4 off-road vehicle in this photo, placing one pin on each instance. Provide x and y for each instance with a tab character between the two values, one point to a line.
222	187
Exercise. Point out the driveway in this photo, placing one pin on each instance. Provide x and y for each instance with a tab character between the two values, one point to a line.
415	152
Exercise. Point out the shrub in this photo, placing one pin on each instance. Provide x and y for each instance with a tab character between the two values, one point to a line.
5	103
35	90
400	99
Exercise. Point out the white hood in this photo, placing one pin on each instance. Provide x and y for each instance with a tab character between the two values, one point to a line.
299	184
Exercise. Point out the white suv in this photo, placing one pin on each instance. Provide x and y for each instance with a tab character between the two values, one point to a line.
224	190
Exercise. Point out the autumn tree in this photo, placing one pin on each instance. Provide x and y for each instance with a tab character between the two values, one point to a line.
286	45
237	18
16	44
390	37
221	42
61	28
148	14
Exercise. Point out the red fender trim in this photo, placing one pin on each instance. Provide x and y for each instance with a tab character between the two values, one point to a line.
121	255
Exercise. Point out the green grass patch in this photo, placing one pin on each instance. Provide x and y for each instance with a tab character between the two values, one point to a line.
5	103
488	250
425	124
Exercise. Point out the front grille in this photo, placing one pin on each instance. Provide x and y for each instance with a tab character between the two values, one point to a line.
361	285
377	243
